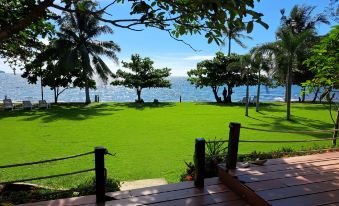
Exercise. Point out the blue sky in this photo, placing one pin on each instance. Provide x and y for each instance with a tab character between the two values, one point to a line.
167	52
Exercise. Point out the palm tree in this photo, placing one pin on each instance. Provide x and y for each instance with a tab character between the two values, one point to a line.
77	36
259	63
245	68
301	19
285	55
234	33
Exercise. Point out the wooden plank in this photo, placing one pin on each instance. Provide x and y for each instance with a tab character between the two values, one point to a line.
244	192
83	200
172	187
231	203
306	158
202	200
285	173
287	192
273	168
172	195
309	200
293	181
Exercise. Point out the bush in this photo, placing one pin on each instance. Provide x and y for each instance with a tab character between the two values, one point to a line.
88	187
41	194
215	154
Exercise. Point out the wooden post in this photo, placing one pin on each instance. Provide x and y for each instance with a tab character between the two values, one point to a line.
199	162
335	134
100	174
233	143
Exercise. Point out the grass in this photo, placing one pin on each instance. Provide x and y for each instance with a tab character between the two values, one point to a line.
150	141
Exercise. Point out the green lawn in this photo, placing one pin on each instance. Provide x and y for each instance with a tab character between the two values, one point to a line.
149	141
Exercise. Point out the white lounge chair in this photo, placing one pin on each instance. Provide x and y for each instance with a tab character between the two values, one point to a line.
27	105
43	104
254	100
8	104
243	101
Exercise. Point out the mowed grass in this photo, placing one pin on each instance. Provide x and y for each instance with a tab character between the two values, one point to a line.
150	141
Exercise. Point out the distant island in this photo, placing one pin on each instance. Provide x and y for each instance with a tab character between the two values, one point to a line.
1	72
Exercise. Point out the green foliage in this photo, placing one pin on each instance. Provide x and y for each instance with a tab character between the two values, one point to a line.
87	187
142	75
324	62
221	70
22	46
207	17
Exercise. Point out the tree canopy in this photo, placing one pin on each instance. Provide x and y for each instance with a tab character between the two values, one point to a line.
142	75
221	70
324	62
25	21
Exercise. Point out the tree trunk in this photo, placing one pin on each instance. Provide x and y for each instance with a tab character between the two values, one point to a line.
139	95
258	94
286	88
229	94
42	89
247	96
289	88
316	95
88	98
303	94
215	92
55	95
229	45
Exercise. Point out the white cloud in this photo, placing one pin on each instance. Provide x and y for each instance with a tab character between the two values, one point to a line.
4	67
199	57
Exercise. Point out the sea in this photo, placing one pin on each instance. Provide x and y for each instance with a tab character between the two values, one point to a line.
18	89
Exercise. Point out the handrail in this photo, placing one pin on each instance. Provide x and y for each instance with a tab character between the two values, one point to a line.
45	161
272	141
290	131
48	177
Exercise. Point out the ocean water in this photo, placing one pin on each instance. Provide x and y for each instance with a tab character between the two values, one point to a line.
17	88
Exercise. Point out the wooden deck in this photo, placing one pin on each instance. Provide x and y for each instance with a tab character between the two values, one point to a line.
215	193
307	180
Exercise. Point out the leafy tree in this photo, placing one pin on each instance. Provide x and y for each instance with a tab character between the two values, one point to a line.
48	66
77	37
175	17
22	46
142	75
221	70
324	62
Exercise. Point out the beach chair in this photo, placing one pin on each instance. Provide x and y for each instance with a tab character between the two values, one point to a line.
243	101
254	100
8	104
43	104
27	105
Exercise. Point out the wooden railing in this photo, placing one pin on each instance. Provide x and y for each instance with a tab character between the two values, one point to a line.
233	145
100	171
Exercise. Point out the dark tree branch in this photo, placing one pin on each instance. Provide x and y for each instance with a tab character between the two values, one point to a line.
34	15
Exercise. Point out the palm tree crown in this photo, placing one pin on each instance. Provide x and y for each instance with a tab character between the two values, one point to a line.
77	35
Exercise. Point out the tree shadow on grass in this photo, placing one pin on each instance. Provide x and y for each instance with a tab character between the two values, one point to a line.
75	112
298	124
147	105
